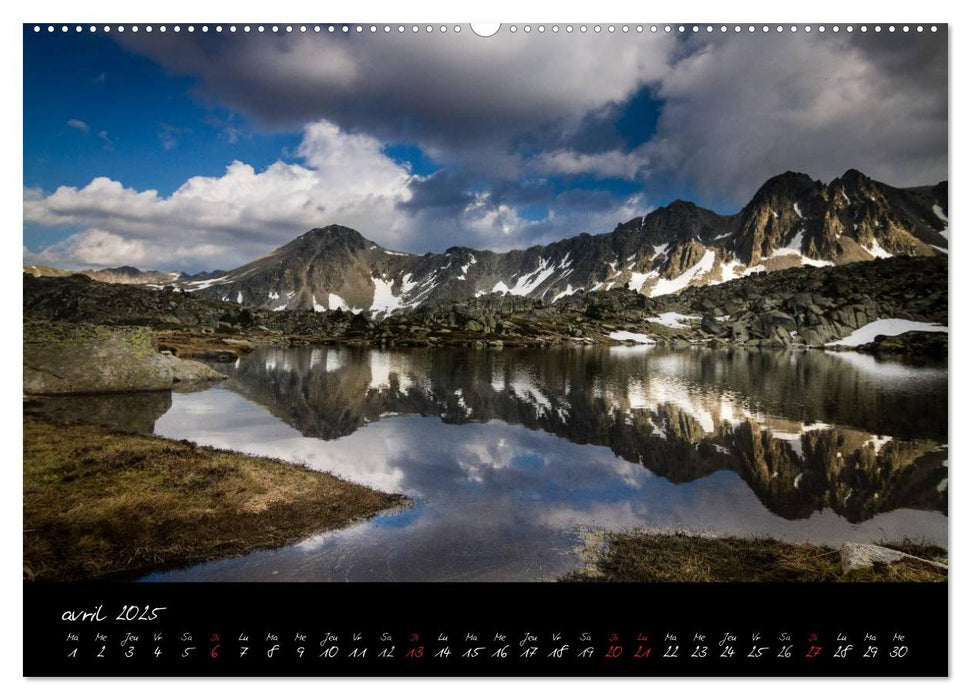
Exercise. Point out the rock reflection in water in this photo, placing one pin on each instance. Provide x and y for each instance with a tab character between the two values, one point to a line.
129	412
806	431
507	453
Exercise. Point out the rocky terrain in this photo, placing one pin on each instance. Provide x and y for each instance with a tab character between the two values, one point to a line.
791	221
800	306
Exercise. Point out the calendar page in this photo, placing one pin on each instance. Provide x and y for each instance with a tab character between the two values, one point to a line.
539	349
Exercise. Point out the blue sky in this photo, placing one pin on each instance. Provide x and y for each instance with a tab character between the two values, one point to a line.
149	117
196	152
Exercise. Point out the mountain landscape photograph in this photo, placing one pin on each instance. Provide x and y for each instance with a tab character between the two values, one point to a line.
365	303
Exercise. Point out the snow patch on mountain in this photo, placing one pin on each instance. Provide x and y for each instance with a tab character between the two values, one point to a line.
794	247
878	441
197	285
335	302
627	336
735	269
637	280
699	269
886	326
530	281
943	217
877	251
672	319
384	299
407	284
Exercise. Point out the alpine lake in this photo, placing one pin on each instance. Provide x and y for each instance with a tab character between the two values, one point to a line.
511	456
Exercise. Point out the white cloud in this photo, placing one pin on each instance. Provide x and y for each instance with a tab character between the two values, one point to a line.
95	247
226	220
613	163
79	125
342	178
492	221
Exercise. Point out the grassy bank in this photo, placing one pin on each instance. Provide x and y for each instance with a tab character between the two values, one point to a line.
102	504
675	558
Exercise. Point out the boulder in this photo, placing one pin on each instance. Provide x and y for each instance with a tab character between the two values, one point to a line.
815	336
739	332
774	325
62	358
858	555
773	319
710	325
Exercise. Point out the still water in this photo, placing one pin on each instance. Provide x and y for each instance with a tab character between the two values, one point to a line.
510	455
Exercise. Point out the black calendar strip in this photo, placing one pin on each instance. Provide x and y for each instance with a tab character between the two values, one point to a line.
485	630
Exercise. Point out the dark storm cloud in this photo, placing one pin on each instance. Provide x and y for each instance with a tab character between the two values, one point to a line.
460	93
443	190
730	111
615	125
588	128
739	111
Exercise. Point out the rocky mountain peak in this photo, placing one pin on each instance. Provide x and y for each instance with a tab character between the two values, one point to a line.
123	270
681	205
792	220
334	234
789	183
854	178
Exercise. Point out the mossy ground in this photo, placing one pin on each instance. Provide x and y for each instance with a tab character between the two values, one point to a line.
107	505
677	558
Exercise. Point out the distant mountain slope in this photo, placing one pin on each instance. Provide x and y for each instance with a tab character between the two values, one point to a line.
791	221
116	275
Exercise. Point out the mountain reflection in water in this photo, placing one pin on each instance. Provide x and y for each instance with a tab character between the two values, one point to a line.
506	452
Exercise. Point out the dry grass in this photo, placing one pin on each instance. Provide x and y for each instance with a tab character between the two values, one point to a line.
194	343
918	548
102	504
679	558
907	571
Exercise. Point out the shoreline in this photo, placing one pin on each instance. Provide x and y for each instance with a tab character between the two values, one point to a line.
211	347
101	504
794	308
639	556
